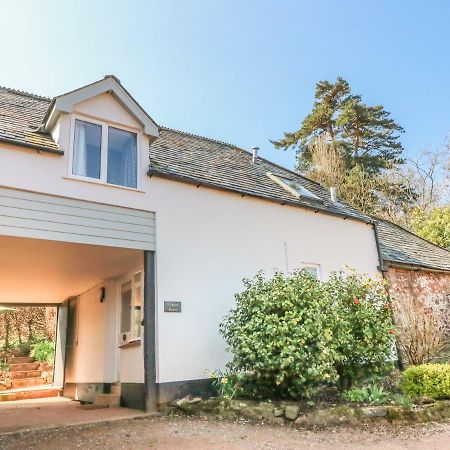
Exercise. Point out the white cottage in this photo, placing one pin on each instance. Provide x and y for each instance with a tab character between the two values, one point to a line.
141	236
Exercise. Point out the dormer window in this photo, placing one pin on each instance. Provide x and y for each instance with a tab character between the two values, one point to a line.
104	153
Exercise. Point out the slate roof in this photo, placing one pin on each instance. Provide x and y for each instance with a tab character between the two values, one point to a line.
202	161
177	155
21	114
402	247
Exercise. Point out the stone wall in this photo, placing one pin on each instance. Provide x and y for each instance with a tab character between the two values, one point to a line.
430	288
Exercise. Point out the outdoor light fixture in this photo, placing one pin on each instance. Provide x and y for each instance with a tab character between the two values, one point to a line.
102	294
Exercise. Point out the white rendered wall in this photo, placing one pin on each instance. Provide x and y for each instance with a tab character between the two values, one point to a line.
95	355
223	238
207	241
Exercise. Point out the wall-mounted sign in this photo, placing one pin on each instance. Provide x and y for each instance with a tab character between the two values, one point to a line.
172	306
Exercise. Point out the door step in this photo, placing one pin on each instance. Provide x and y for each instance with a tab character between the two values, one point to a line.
107	400
28	394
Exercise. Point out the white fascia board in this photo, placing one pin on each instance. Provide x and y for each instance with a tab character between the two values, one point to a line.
65	103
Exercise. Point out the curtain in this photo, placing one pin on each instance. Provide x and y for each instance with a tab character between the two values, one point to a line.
79	150
122	157
130	163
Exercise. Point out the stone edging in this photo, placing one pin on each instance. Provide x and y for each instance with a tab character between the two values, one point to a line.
291	413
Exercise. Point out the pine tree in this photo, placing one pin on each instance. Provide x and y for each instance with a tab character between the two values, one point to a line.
364	135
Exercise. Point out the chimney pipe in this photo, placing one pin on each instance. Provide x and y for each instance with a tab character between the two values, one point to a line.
333	194
255	154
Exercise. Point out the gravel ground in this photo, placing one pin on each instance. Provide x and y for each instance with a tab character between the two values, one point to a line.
193	433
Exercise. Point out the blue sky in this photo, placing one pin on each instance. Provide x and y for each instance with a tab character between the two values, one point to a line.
239	71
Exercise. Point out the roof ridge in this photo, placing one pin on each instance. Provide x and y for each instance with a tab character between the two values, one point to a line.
217	141
414	234
25	93
245	151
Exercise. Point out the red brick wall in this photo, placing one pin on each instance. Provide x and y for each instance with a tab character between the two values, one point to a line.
430	288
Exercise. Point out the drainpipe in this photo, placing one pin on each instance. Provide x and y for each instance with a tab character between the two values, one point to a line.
383	269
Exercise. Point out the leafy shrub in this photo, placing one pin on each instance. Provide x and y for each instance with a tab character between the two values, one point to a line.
287	334
403	400
374	395
362	325
44	351
4	366
429	380
224	383
279	335
354	395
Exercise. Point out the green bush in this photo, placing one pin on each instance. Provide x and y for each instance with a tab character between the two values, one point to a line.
428	380
287	334
43	351
280	337
363	327
374	395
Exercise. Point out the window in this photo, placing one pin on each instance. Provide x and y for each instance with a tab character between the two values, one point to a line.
131	309
312	269
87	149
105	153
293	186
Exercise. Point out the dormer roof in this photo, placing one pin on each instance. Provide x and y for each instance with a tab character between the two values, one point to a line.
109	84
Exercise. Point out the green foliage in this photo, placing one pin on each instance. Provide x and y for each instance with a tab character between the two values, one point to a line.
224	383
362	325
373	395
428	380
280	336
434	226
43	350
365	135
403	400
4	366
287	334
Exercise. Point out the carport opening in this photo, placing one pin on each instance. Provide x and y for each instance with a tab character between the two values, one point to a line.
27	350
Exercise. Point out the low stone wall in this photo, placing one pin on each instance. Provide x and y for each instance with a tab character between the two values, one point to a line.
291	413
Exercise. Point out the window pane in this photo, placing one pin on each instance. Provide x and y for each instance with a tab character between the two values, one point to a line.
122	158
313	271
87	149
125	312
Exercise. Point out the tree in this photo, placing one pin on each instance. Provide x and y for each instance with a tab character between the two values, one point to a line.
364	135
434	226
370	136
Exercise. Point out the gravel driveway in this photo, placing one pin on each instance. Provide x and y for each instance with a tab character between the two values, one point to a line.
182	433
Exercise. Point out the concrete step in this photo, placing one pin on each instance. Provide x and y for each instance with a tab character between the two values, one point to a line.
29	394
20	360
25	374
115	388
26	382
111	400
21	367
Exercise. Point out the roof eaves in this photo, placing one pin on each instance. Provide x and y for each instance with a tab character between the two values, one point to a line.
414	266
199	183
38	148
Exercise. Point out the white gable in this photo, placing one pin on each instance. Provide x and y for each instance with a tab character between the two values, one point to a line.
66	103
106	107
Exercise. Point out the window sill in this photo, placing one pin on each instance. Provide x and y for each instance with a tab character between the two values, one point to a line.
101	183
129	344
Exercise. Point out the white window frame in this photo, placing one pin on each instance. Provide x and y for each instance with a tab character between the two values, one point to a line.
312	266
103	151
132	335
